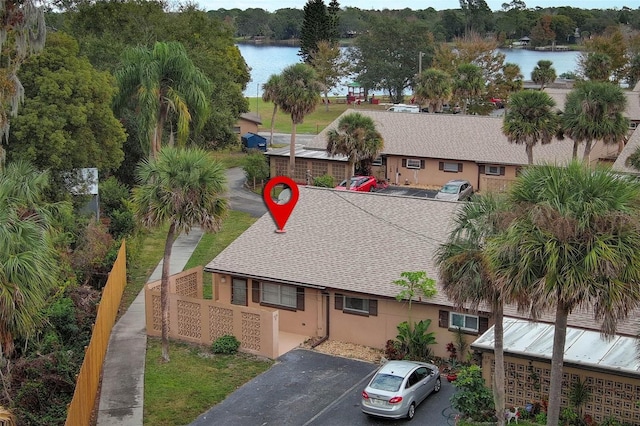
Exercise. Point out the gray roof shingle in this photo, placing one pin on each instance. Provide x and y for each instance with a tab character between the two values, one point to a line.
454	137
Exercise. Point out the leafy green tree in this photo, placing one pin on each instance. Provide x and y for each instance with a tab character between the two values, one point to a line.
477	15
468	279
316	26
468	84
509	81
166	87
299	96
574	244
357	138
182	188
256	167
386	56
286	23
530	118
415	285
594	111
435	87
472	397
333	11
24	23
542	33
597	67
614	45
633	71
270	92
66	122
28	261
330	66
543	73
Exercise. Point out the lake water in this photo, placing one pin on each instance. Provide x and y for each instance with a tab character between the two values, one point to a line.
266	60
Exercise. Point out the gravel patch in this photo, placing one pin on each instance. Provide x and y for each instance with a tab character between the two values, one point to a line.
348	350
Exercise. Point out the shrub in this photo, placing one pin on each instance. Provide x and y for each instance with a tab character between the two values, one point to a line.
541	418
415	340
325	181
226	344
256	167
392	350
473	398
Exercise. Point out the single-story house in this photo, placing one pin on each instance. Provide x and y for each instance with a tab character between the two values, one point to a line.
431	149
330	276
249	122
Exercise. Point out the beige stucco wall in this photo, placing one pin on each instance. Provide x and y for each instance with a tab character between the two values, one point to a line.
610	394
373	331
247	126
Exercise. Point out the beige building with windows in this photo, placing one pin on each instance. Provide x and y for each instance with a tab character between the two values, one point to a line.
431	149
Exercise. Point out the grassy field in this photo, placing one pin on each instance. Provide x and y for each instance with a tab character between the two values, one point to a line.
313	123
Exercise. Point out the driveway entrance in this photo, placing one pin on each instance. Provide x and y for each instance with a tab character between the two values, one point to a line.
310	388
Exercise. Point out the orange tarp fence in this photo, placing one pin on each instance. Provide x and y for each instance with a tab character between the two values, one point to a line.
84	397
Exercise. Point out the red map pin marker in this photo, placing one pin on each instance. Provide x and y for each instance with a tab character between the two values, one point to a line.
281	209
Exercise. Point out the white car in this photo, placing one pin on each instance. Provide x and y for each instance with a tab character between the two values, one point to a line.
398	387
455	190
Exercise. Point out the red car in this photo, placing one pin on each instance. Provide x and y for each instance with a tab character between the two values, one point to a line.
361	184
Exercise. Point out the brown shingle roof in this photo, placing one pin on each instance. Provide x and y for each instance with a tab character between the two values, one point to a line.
251	116
633	101
452	137
357	242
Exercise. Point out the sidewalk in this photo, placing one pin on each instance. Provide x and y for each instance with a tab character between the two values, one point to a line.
122	393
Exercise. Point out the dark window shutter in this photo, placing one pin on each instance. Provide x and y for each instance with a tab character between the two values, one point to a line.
300	298
255	292
481	171
441	165
459	167
373	307
483	324
443	319
404	162
502	170
422	164
339	301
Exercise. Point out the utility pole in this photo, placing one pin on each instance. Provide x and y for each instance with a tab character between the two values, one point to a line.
420	55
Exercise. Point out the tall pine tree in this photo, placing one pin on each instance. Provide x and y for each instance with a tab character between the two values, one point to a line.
318	24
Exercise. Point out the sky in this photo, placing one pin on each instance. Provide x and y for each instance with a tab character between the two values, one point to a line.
273	5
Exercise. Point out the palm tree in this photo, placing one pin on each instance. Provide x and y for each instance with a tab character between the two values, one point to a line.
184	188
299	96
574	244
356	138
434	87
543	73
597	66
28	261
530	119
467	278
164	86
270	92
594	112
468	83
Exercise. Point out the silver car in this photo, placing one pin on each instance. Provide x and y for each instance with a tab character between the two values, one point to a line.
455	190
398	387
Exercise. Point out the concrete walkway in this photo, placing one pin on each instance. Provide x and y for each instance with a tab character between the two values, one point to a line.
122	393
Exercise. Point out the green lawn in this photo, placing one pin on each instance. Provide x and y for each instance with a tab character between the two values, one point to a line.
313	123
177	392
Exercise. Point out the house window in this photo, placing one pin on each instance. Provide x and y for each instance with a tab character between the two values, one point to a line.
280	295
464	321
239	292
450	167
377	162
236	129
356	305
492	170
413	163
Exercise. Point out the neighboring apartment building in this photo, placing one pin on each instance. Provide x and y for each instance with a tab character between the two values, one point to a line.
431	149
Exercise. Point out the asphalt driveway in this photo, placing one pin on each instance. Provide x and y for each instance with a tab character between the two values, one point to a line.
310	388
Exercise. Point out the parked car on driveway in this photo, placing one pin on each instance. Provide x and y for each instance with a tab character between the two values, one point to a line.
455	190
398	387
360	183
